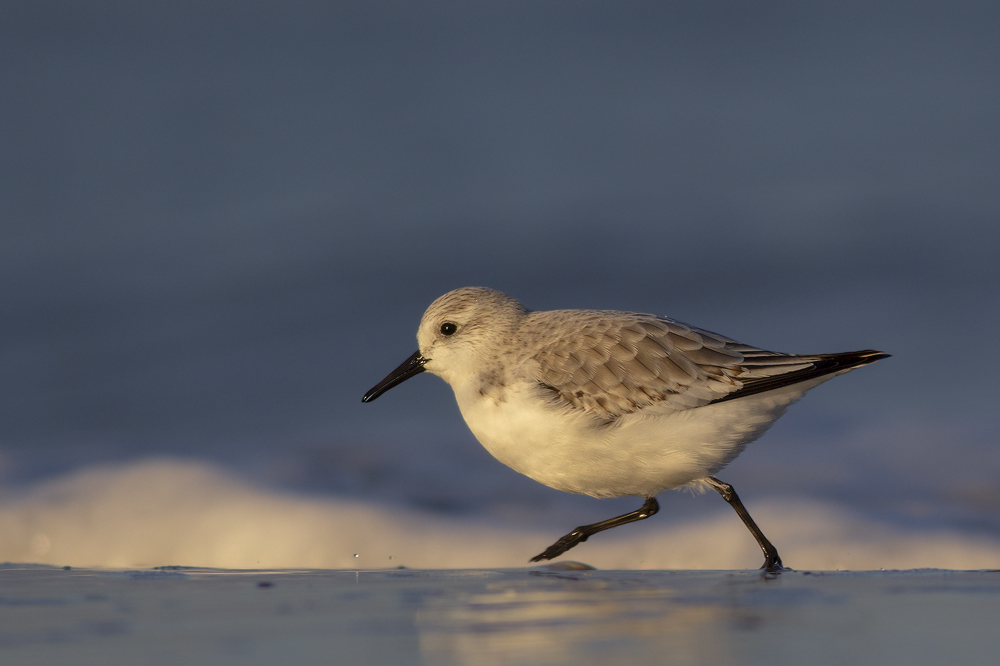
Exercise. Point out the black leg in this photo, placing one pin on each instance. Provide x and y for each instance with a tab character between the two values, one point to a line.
581	533
771	560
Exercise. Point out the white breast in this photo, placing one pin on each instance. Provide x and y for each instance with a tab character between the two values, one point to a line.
641	454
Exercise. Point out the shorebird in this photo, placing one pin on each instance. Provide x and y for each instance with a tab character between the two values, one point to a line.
608	403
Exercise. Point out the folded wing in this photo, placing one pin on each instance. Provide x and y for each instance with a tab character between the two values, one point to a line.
617	363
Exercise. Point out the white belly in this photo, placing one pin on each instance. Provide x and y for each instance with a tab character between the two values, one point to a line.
641	454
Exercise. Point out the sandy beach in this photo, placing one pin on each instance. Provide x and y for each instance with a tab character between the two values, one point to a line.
541	615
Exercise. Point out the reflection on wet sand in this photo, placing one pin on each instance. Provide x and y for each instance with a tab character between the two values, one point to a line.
712	617
574	617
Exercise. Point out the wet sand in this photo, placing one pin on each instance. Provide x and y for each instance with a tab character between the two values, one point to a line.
544	615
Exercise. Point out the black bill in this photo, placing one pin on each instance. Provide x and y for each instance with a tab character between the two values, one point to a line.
411	366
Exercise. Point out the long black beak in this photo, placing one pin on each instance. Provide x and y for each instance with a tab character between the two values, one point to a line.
411	366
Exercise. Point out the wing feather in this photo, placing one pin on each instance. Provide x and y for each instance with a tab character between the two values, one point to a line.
617	363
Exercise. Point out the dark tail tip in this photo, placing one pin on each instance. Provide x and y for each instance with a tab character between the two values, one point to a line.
863	357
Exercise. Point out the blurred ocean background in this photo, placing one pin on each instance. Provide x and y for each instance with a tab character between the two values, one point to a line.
221	223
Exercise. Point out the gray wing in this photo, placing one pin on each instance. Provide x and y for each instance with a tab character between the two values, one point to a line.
616	363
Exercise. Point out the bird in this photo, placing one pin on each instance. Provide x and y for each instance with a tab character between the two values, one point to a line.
609	403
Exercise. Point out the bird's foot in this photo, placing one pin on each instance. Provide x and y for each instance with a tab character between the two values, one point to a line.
561	546
772	564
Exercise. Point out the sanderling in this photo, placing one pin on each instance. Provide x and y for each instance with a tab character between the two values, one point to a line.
608	403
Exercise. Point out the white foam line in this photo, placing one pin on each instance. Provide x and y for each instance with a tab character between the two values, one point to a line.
168	512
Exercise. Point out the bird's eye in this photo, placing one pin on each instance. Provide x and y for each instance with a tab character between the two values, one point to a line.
448	328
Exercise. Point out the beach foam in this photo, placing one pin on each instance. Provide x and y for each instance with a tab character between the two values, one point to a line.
177	512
